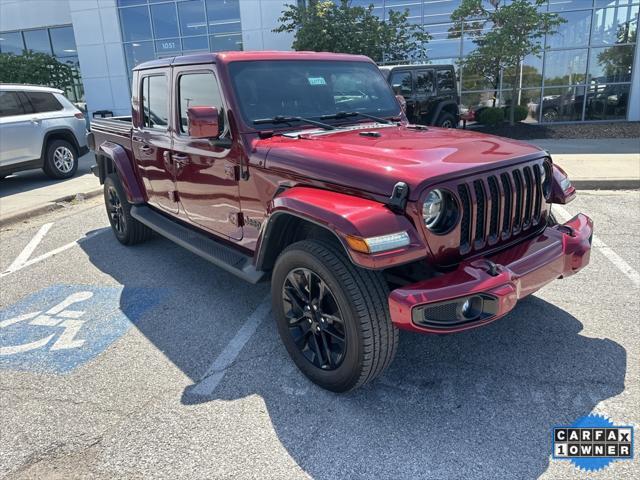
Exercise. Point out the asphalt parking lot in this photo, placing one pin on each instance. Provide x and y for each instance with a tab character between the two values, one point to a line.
158	364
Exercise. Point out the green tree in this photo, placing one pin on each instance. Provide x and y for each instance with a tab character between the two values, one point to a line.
326	26
36	69
514	29
616	61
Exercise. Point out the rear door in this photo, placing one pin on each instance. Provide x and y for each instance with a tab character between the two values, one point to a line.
20	132
425	87
151	140
206	175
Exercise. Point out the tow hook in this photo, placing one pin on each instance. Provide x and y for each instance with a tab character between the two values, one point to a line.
490	267
567	230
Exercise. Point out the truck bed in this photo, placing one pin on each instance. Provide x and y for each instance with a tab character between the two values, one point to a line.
114	129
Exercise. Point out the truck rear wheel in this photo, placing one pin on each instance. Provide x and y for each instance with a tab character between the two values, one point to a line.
127	229
332	316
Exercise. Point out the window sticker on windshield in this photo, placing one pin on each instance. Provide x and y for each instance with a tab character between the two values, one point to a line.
317	81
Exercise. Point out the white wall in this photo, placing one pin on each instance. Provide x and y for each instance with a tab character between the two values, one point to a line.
104	72
259	18
26	14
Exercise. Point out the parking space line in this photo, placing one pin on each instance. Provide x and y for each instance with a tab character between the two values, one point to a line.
24	255
215	373
51	253
607	251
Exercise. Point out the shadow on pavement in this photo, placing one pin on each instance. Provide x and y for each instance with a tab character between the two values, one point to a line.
33	179
481	403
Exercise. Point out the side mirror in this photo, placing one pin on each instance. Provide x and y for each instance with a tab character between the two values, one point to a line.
203	122
402	102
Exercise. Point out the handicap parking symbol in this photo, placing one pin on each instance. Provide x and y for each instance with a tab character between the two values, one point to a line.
62	327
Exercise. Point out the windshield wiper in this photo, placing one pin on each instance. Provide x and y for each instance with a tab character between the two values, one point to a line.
339	115
283	119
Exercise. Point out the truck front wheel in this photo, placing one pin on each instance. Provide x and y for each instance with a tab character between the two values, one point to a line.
332	316
127	229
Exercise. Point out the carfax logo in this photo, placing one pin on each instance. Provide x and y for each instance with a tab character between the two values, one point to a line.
593	442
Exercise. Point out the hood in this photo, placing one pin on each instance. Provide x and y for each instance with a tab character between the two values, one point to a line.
375	162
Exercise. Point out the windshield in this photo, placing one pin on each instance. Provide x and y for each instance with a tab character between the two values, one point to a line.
310	89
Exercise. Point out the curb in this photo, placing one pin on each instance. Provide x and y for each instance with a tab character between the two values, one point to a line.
606	184
47	207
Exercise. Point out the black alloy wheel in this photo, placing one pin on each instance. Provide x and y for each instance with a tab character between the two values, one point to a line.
114	209
314	319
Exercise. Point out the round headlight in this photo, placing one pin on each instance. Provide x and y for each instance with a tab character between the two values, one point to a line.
433	208
545	178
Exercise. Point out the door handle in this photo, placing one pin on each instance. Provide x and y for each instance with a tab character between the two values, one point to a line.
35	120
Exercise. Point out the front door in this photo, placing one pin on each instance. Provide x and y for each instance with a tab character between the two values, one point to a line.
151	142
206	175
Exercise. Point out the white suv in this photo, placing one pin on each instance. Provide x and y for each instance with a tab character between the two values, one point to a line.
40	128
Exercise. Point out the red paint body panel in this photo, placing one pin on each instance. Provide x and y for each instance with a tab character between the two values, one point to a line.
375	164
348	215
522	270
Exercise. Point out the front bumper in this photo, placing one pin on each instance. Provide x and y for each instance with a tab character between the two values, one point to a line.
493	284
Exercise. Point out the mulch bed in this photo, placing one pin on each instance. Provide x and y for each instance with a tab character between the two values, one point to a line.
528	131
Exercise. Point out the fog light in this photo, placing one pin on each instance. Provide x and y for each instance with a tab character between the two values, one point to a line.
471	308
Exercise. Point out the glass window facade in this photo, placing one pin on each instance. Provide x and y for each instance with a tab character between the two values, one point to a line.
583	74
56	41
161	28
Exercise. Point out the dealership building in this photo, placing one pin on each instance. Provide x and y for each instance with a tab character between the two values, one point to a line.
590	70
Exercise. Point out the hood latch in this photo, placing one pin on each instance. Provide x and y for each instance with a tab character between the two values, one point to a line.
398	199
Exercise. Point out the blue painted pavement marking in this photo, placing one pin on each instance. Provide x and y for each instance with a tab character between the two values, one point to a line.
62	327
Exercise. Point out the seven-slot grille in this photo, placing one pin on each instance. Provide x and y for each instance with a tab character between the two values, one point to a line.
499	206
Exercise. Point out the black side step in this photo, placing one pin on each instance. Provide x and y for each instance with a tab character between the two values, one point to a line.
215	252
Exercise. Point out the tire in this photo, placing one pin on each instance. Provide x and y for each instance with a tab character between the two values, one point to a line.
353	295
61	159
127	229
446	120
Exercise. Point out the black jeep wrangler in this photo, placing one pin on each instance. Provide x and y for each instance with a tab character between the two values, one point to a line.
429	90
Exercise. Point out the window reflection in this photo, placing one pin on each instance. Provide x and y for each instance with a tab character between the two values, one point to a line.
138	52
565	67
562	104
607	102
135	24
63	41
37	40
444	42
615	25
11	42
611	64
221	43
192	18
165	20
573	33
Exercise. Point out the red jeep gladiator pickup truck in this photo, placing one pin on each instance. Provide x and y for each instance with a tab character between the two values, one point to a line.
301	167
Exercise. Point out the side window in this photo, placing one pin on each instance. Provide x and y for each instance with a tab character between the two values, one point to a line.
155	109
43	102
446	81
401	83
424	82
197	90
10	104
